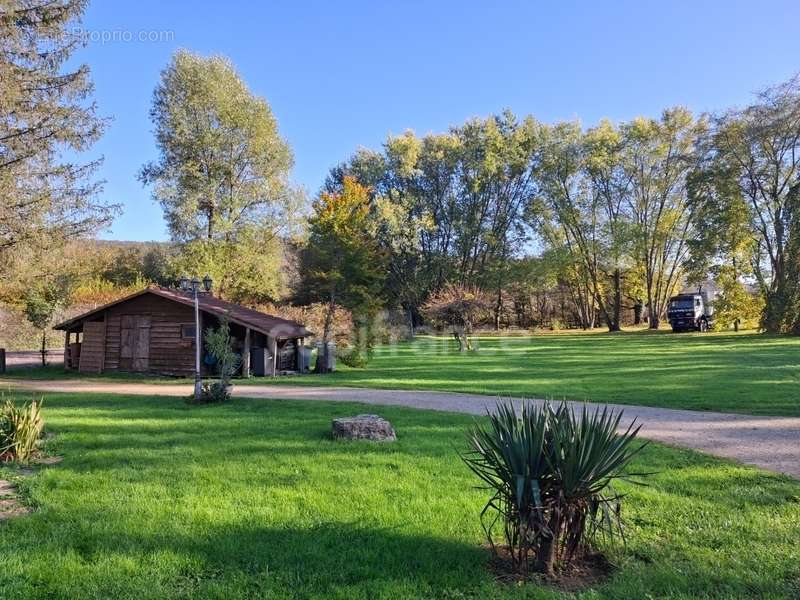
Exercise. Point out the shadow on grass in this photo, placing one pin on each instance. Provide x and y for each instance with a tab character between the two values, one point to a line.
319	557
254	494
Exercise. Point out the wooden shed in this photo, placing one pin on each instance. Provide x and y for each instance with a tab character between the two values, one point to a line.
153	331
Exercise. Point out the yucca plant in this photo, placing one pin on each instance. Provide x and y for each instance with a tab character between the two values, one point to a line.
549	471
20	430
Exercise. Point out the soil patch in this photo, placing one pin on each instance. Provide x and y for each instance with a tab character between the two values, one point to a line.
10	503
587	570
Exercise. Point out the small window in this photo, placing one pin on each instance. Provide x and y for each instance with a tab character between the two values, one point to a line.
187	332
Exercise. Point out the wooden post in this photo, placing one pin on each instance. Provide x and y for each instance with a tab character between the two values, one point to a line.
67	360
246	354
2	360
199	341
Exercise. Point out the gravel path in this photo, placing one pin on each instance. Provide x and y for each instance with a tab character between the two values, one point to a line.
769	442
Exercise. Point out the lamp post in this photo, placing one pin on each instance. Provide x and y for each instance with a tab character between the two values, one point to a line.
193	286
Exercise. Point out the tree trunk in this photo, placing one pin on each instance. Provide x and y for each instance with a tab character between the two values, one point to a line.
210	224
44	347
652	313
460	336
638	307
457	338
497	309
548	551
410	313
322	362
617	308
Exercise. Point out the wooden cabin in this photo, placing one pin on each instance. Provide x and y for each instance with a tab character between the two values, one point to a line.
153	331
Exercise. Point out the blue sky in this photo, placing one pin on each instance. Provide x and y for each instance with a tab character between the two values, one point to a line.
340	75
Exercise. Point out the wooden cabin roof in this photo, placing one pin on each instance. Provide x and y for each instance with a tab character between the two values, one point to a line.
236	313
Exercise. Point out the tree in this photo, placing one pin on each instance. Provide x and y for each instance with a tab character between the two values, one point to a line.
610	187
458	307
790	313
735	306
222	174
723	246
342	263
219	343
451	204
40	305
755	151
45	116
566	215
248	269
495	183
657	156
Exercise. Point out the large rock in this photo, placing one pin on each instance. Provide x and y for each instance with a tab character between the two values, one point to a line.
363	427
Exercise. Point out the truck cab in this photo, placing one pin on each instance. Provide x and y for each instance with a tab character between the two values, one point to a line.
690	312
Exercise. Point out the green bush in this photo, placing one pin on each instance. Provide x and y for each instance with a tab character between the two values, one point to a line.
354	357
549	471
219	344
20	430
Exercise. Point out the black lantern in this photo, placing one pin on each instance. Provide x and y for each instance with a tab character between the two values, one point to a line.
207	282
183	282
195	282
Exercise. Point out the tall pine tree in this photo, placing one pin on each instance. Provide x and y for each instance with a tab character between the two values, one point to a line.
45	115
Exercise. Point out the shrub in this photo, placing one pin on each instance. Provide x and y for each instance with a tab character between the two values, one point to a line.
550	473
354	357
20	430
219	344
214	392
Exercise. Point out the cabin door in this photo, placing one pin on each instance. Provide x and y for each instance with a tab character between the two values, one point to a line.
134	350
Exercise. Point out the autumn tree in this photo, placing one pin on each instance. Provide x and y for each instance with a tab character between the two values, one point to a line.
222	176
40	304
657	157
47	121
724	246
582	208
459	308
566	215
735	306
754	154
343	263
610	188
452	204
249	268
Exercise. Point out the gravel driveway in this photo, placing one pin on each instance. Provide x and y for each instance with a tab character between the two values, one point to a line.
769	442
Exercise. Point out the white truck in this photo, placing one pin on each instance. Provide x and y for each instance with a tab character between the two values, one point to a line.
691	312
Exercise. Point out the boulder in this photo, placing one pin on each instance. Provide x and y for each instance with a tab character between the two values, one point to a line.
363	427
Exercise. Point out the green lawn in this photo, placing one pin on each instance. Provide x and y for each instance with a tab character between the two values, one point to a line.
747	372
155	499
